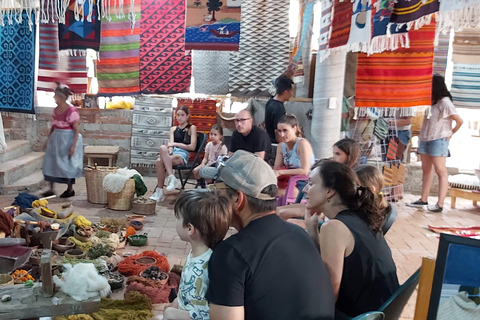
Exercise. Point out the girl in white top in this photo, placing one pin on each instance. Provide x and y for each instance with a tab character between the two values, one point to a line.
434	140
215	148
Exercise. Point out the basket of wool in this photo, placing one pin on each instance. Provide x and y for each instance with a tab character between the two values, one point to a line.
94	181
122	200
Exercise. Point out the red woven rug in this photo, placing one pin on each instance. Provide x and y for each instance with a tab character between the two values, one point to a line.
400	78
164	68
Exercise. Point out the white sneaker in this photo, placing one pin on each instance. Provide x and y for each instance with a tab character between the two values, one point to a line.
171	183
158	195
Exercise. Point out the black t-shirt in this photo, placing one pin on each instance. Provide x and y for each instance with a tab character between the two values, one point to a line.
274	110
274	270
369	273
257	140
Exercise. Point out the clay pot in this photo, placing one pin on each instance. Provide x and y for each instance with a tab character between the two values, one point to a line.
63	244
75	254
137	225
146	261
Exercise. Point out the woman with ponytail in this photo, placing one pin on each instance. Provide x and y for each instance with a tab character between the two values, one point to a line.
351	242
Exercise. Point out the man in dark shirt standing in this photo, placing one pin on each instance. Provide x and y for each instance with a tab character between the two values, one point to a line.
270	269
274	108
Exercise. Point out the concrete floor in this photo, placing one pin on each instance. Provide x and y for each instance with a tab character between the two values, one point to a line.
409	238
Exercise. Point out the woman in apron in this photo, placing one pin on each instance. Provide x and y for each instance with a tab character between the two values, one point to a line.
63	160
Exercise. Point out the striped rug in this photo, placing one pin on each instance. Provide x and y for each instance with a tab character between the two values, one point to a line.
466	46
69	70
118	69
466	85
440	54
400	78
342	14
416	12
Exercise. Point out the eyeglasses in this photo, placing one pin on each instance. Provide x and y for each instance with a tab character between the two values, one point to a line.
241	120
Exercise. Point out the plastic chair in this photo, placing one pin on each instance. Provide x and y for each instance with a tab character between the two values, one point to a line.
289	197
201	142
374	315
393	307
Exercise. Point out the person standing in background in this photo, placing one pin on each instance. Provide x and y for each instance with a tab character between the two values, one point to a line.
274	108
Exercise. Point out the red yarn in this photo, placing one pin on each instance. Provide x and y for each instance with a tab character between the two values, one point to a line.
6	223
157	295
128	267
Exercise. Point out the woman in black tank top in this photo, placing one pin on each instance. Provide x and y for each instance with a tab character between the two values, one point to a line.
351	243
183	140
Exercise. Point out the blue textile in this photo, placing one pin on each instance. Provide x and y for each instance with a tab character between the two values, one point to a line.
182	153
17	65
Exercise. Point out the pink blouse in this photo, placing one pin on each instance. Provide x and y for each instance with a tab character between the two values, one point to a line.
66	119
214	151
438	125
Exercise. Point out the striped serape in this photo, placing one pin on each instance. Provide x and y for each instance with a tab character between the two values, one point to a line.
440	54
400	78
466	46
69	70
118	69
412	12
342	16
466	85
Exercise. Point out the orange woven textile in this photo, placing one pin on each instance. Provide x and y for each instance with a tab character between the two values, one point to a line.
128	267
400	78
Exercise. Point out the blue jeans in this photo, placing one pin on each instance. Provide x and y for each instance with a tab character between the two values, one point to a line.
434	148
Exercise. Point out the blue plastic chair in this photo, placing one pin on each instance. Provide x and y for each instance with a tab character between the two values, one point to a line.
393	307
374	315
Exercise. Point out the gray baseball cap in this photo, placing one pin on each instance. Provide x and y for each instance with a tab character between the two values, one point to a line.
246	172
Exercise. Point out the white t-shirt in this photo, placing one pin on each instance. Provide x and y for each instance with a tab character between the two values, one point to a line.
439	125
194	285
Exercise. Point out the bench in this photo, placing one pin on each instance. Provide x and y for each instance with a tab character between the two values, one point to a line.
462	193
101	152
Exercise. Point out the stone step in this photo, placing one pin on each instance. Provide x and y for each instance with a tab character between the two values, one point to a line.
30	183
15	149
16	169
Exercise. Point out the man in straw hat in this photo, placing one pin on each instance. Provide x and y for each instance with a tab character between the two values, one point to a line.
270	269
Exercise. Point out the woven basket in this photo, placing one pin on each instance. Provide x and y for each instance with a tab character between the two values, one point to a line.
147	208
94	180
122	201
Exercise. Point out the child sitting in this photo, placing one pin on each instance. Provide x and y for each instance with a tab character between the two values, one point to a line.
203	219
215	148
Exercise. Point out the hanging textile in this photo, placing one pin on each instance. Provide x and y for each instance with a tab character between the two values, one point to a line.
17	65
118	69
466	85
212	25
342	16
78	35
69	70
164	67
210	71
325	29
264	45
361	25
415	13
302	39
458	14
3	142
15	11
401	78
466	46
440	54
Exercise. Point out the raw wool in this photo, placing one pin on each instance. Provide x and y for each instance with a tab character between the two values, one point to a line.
114	182
82	282
112	241
458	14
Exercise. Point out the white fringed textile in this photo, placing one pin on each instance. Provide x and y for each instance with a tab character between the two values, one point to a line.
458	14
13	11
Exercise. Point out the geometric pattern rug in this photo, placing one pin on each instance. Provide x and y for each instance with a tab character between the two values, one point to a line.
264	45
466	85
210	71
17	65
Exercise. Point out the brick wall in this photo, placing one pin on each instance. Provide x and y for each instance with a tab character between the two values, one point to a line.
98	127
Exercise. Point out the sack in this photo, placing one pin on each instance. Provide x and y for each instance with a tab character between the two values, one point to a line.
381	129
392	149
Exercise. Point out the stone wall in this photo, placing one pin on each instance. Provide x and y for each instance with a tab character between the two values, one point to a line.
413	179
99	127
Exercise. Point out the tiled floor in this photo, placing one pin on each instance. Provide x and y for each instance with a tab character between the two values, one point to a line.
409	238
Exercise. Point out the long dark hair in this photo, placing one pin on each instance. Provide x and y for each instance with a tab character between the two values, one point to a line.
439	89
291	120
351	149
187	112
343	180
220	131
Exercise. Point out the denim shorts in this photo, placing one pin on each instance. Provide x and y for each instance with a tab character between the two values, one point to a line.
182	153
434	148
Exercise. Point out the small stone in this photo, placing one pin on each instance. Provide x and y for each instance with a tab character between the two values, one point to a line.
6	298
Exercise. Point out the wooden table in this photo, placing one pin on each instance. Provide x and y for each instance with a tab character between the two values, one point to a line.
29	302
103	152
461	193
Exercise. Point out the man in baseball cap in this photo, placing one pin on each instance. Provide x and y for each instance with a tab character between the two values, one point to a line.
270	269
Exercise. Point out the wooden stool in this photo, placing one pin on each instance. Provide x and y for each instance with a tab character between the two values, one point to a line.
102	152
461	193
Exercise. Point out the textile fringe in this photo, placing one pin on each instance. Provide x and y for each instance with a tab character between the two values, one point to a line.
53	11
13	12
141	165
466	17
384	112
73	53
105	11
416	24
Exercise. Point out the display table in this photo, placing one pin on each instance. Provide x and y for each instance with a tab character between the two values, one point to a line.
102	152
462	193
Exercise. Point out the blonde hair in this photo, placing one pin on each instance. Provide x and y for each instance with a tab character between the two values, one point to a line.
370	176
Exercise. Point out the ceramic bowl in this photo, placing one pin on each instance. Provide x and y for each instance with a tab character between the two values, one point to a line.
138	240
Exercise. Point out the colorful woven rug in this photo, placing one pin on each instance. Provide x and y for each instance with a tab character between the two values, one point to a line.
325	29
302	41
264	46
17	65
361	25
401	78
164	67
416	12
466	85
118	69
342	14
69	70
466	46
210	71
80	30
212	25
440	54
152	120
